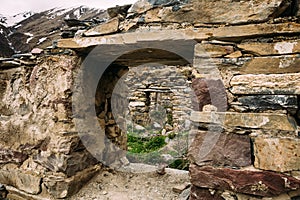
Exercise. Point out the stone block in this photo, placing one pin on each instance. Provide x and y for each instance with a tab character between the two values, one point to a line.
277	154
209	91
118	11
108	27
271	65
212	51
268	121
140	6
229	150
259	103
231	33
260	183
266	84
61	187
238	33
222	12
25	181
265	49
68	164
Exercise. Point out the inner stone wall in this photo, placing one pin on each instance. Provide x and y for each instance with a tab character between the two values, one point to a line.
160	90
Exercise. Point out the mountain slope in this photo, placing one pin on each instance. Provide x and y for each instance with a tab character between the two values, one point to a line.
5	48
40	29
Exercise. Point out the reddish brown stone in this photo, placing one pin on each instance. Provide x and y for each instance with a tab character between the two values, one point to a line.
209	91
230	150
260	183
203	194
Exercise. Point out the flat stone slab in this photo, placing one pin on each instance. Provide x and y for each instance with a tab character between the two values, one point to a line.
222	11
277	154
269	102
230	150
266	84
212	50
238	33
268	121
272	65
277	48
260	183
108	27
225	33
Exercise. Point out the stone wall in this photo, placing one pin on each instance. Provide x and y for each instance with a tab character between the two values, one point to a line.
253	151
160	97
244	74
41	153
245	140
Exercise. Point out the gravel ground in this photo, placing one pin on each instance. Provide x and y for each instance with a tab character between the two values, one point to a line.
135	182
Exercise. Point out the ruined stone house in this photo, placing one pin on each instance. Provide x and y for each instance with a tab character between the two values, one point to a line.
237	63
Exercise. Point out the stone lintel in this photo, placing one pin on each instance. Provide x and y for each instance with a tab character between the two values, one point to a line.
231	33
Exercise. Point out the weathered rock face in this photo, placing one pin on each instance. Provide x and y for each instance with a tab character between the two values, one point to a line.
211	12
37	133
6	49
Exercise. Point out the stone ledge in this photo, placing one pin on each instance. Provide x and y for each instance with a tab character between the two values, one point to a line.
268	121
223	33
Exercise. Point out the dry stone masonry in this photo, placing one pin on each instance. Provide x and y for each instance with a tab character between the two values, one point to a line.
242	81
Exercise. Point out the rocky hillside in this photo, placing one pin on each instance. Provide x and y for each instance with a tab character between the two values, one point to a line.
22	32
6	49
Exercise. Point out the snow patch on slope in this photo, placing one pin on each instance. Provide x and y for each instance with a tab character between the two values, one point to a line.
15	19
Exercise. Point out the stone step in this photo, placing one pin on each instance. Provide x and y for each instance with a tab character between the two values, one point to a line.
268	121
